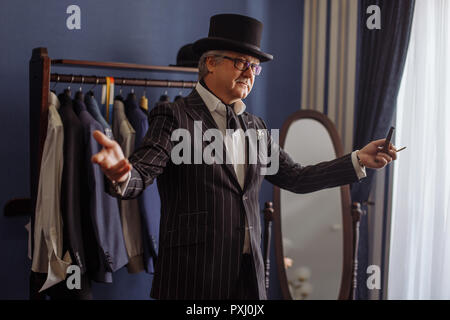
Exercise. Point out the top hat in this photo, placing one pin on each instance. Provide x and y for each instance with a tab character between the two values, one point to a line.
186	57
233	32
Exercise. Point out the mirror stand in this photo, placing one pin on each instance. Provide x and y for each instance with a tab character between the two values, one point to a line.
316	234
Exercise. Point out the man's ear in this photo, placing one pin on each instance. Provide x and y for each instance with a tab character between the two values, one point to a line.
210	63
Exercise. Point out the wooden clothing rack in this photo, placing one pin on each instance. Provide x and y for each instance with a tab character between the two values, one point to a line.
39	85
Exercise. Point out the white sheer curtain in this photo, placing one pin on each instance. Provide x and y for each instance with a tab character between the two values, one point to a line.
419	260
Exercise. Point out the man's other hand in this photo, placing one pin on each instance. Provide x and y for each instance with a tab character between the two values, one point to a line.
372	157
111	159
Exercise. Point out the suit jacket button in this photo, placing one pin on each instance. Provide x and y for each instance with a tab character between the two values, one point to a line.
244	197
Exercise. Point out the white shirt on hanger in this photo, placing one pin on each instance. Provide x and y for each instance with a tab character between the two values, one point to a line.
48	225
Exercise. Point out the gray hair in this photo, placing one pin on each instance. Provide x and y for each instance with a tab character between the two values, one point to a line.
202	68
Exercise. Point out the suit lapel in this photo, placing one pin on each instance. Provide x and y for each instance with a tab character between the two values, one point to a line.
198	111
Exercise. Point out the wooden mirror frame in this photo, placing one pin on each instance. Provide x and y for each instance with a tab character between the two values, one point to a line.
345	291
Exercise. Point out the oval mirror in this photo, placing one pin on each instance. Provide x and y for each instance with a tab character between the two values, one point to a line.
314	231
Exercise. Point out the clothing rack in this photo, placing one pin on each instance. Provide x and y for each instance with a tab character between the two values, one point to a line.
39	85
58	78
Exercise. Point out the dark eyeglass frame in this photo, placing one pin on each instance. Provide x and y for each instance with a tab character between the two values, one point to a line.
256	68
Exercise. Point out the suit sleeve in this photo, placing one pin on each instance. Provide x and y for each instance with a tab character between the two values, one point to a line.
150	159
294	177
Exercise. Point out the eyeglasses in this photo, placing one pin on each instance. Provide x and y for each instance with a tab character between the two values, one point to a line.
243	65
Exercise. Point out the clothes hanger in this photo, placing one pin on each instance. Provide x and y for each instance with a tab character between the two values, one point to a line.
54	86
90	92
165	97
131	95
179	96
79	94
143	103
120	96
67	91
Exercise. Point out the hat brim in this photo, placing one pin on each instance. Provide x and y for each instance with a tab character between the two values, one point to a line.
214	43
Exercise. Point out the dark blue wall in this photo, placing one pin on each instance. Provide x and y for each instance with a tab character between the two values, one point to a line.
146	32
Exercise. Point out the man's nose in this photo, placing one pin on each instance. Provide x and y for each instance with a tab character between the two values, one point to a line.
248	73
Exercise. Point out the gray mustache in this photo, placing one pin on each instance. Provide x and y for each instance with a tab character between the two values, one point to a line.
244	81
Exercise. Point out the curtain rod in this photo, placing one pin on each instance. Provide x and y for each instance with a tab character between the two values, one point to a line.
70	78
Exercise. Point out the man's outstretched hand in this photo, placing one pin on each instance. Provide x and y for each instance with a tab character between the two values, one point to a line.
372	157
111	159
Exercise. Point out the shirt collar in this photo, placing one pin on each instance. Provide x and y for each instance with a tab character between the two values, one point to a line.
212	102
53	99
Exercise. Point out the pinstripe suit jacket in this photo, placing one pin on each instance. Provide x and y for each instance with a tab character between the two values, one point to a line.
203	206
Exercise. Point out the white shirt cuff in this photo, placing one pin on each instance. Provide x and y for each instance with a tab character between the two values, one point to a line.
360	170
122	186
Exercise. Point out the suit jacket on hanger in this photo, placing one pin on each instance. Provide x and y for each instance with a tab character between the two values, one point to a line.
203	207
94	110
71	183
129	209
149	203
105	246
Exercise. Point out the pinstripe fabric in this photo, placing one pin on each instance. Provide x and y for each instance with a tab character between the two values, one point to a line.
203	207
329	62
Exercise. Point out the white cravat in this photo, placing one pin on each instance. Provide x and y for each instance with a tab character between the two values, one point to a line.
234	143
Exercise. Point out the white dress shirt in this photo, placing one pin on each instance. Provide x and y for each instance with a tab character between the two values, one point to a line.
48	225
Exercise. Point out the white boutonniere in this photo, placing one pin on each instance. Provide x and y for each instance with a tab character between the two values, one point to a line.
260	133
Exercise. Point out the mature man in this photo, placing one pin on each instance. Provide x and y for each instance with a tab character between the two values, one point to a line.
210	231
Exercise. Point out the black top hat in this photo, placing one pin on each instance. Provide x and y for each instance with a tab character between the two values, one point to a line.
186	57
233	32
